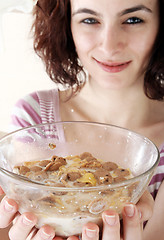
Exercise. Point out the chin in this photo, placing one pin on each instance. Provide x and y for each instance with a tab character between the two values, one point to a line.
112	85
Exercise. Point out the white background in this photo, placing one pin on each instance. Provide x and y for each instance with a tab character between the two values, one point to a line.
21	70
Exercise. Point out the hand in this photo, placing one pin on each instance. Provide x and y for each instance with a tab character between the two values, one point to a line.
145	206
1	191
133	218
23	227
111	226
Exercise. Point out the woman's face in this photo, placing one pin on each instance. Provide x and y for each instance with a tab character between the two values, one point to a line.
114	38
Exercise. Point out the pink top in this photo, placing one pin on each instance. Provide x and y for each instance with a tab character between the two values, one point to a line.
43	107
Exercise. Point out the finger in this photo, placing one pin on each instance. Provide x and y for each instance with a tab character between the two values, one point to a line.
145	206
72	238
32	233
90	231
8	209
1	191
111	225
44	233
58	238
23	226
131	223
17	215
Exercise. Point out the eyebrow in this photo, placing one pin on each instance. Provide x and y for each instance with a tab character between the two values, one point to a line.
86	10
124	12
135	9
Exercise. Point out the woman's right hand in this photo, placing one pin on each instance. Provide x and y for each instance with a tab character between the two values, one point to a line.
8	211
23	227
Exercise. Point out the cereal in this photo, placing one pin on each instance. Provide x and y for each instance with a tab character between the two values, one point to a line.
72	176
35	169
97	206
109	166
88	178
121	172
23	170
76	173
85	155
44	163
103	176
52	146
83	171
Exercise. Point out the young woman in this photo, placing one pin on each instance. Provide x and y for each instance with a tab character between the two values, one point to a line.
109	55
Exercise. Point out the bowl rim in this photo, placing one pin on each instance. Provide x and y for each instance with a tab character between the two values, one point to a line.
118	185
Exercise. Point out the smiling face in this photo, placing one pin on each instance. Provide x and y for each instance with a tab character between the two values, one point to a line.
114	38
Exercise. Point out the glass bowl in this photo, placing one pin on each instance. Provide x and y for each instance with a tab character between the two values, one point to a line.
86	147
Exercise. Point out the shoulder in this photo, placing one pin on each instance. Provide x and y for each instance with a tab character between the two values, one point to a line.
158	176
47	95
27	103
25	112
33	100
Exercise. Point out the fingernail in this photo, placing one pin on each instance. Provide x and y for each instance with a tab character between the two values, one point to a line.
129	210
91	233
110	219
140	214
27	221
45	235
8	206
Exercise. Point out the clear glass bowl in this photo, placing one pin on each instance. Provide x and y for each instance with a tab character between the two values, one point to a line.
67	209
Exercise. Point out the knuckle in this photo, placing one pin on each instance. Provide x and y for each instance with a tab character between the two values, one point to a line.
12	236
4	222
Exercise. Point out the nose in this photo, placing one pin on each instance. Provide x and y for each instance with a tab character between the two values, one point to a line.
113	40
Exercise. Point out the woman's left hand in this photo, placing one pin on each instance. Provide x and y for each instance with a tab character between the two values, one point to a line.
132	228
133	218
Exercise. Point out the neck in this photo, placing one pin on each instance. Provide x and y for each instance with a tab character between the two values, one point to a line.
126	107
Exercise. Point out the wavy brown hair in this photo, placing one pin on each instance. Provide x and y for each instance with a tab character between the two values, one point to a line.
53	42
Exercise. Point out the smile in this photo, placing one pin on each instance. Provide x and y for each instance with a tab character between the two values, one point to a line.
113	67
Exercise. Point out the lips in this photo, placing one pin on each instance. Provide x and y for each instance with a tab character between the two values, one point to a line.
113	67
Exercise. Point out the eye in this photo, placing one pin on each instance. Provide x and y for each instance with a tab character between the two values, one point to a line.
89	21
133	20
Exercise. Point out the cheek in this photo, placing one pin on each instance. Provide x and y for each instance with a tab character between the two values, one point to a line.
142	45
83	42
